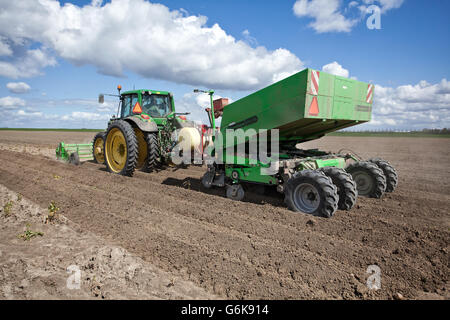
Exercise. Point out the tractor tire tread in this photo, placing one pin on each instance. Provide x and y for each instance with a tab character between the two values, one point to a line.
375	171
132	147
346	186
101	135
328	190
153	153
389	172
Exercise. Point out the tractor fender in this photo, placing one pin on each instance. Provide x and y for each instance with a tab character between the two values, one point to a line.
143	125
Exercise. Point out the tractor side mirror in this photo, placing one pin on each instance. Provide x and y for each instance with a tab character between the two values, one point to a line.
101	98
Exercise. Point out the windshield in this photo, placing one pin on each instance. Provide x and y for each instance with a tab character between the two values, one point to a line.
156	106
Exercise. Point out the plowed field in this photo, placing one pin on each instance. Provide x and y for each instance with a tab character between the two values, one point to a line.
255	248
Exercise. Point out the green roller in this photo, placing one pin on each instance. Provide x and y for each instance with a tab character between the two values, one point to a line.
74	152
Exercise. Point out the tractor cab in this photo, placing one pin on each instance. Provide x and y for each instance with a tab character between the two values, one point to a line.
158	105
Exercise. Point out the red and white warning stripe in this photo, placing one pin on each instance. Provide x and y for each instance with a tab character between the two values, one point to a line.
369	93
314	85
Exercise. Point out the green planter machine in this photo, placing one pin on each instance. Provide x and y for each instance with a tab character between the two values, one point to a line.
302	107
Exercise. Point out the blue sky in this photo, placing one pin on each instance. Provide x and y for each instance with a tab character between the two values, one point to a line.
55	57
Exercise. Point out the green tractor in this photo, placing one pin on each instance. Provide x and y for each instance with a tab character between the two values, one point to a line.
141	136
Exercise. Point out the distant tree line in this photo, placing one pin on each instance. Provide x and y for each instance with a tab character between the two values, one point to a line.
437	131
445	131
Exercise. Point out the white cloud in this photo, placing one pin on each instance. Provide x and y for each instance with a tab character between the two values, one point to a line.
419	97
77	104
423	105
18	87
390	122
336	69
249	39
385	5
143	37
96	3
195	104
11	102
328	15
5	49
26	64
89	116
15	112
23	113
390	4
107	107
280	76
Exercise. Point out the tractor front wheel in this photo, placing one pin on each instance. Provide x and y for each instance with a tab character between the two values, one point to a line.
97	147
121	148
369	178
312	192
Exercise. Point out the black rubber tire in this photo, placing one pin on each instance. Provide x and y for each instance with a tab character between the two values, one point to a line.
132	147
100	135
326	190
346	187
378	180
74	158
389	172
235	192
206	180
153	160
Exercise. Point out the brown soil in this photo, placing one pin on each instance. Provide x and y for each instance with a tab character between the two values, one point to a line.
37	268
257	248
45	138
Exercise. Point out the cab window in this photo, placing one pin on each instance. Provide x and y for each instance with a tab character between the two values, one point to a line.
155	105
128	103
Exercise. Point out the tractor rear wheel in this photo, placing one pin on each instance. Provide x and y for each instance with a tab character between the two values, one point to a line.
153	160
370	180
389	172
121	148
346	187
97	147
142	148
312	192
